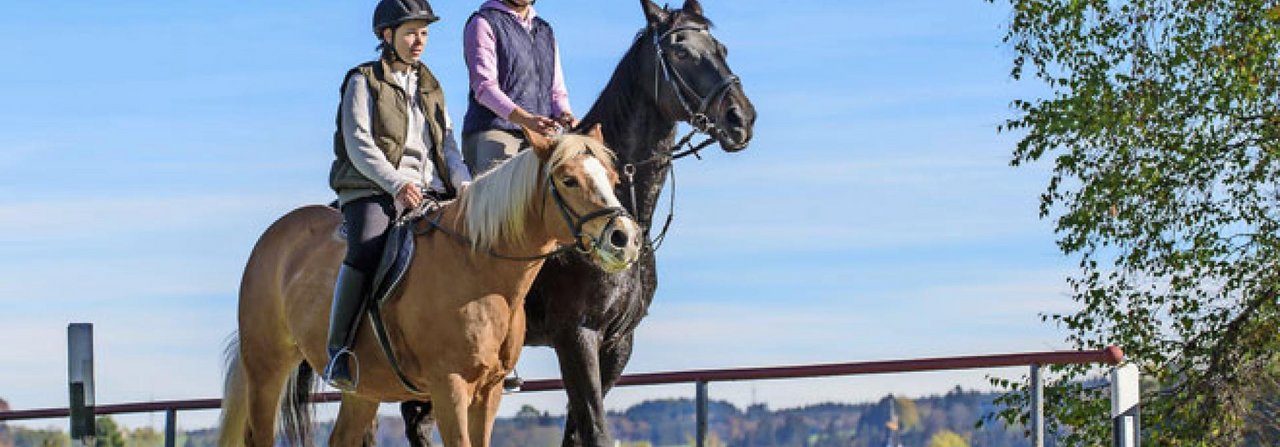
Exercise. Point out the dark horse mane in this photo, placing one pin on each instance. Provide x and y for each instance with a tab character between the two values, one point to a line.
623	98
615	102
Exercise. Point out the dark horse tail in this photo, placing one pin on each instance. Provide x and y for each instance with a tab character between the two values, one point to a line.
295	407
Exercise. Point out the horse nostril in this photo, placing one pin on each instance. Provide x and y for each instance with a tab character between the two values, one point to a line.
733	117
618	239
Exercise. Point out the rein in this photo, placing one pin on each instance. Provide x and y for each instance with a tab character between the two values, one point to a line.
434	224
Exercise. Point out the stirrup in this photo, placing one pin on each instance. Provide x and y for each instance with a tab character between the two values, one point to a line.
353	372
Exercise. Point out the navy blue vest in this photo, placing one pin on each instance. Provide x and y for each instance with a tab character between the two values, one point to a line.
526	70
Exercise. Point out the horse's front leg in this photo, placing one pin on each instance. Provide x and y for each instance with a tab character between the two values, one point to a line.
450	400
354	425
578	352
613	359
483	412
418	422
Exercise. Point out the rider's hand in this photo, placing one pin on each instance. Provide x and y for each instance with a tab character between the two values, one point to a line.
567	120
409	196
536	123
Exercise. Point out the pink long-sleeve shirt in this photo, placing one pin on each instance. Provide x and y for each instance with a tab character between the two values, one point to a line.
479	48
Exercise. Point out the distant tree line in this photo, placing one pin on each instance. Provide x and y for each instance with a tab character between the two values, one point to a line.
949	420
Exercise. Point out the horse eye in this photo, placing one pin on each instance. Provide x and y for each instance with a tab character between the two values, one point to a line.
570	182
682	53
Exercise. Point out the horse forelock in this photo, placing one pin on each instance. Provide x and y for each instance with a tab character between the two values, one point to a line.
495	204
682	17
570	146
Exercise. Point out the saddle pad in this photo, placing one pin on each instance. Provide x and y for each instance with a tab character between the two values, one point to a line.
397	254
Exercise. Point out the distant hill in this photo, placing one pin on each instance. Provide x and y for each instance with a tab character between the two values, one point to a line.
671	423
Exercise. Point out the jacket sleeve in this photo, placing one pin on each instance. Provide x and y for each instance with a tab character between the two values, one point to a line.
479	51
559	93
357	134
457	169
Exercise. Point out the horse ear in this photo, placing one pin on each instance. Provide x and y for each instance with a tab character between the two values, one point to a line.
652	12
692	6
541	145
596	133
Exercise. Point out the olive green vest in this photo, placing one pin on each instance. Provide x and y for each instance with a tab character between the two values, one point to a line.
390	123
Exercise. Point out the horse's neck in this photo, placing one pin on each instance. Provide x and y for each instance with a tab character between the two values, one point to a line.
636	130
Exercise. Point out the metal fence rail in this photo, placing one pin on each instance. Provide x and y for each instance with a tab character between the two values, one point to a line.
1110	356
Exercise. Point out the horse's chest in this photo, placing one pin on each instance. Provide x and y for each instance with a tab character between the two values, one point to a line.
471	334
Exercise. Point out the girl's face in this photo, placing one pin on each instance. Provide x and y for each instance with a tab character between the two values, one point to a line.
409	39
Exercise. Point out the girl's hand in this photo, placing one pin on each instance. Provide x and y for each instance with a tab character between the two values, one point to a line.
409	196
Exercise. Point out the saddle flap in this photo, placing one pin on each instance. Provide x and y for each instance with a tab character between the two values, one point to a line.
396	256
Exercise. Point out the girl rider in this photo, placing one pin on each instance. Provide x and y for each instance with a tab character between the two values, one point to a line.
394	147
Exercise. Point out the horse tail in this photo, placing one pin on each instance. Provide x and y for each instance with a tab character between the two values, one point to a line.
235	398
295	408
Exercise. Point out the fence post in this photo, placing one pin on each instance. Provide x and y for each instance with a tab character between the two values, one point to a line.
1037	406
702	413
80	379
1124	406
170	427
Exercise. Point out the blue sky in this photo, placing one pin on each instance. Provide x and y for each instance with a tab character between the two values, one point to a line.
146	145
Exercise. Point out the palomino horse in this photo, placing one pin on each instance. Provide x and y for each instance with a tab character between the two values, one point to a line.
457	324
674	71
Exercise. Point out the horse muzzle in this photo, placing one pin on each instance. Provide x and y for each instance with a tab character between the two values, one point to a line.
618	244
735	124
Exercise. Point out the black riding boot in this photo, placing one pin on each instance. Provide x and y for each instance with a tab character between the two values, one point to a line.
344	318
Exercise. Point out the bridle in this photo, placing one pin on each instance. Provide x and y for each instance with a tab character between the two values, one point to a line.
699	120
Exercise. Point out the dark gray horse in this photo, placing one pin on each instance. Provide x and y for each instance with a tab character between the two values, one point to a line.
674	71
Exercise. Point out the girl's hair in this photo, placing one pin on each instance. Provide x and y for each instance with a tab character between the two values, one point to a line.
383	46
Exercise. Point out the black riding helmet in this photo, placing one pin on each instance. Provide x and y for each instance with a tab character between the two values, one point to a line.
391	13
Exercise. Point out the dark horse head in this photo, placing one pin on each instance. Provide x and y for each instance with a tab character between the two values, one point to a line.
691	78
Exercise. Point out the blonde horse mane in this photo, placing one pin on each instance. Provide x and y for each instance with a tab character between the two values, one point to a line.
495	205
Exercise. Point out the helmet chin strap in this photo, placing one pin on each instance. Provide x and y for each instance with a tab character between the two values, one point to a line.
395	54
